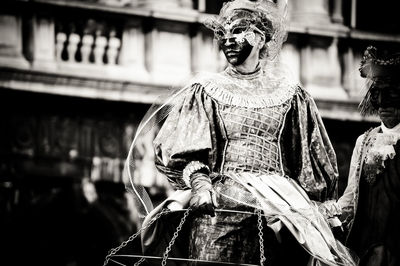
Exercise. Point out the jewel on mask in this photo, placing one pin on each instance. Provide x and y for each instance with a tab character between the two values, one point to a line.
251	38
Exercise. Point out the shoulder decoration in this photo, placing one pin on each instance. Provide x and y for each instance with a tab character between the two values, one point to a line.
380	147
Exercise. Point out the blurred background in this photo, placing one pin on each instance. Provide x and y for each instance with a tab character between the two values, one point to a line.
77	76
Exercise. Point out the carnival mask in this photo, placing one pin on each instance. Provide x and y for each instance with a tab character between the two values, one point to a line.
240	30
387	102
385	97
381	67
236	38
244	21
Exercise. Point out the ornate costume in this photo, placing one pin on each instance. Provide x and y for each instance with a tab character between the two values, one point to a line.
371	202
250	150
264	144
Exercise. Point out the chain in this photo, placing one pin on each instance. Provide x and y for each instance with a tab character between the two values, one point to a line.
261	237
174	237
139	262
114	251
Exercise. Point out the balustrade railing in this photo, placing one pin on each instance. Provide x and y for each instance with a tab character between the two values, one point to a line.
128	49
154	48
95	43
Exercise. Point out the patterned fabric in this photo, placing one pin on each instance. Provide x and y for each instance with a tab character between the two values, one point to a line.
227	237
222	124
194	131
252	146
253	138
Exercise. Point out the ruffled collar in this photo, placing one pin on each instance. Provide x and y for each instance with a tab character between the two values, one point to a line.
381	147
387	130
253	90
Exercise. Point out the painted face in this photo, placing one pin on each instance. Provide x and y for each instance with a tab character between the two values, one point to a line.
237	39
387	102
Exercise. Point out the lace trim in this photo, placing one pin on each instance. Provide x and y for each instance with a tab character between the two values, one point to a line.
253	91
380	148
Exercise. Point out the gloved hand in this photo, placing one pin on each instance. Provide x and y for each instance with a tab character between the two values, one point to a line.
204	198
330	209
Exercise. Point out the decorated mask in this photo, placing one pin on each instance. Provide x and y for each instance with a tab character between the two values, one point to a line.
241	20
381	71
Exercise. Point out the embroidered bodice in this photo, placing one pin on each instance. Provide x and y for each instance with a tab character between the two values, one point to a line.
220	117
253	138
252	108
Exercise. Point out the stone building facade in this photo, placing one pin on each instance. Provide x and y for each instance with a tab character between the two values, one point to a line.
77	76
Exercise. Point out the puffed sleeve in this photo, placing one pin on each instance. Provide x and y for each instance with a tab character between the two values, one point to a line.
187	135
308	155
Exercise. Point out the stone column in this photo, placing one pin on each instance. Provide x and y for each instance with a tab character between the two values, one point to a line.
309	12
115	2
353	22
337	15
353	83
320	68
305	66
11	42
201	6
132	55
43	43
204	51
163	5
168	52
290	57
349	68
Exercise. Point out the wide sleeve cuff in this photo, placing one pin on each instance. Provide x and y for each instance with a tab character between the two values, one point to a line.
191	168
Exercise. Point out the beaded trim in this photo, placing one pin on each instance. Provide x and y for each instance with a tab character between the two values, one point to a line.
192	168
371	54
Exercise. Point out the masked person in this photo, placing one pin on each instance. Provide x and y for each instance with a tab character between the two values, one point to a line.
371	201
247	153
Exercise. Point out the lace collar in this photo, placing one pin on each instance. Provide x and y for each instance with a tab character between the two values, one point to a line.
395	130
254	90
380	148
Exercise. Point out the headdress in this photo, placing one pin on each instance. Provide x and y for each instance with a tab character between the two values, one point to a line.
265	16
381	70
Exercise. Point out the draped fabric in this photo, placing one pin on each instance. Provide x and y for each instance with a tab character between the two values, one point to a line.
188	134
307	153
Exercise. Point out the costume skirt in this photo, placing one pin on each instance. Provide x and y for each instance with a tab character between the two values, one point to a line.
233	235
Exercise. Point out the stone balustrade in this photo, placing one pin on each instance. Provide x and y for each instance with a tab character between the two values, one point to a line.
100	48
132	51
148	47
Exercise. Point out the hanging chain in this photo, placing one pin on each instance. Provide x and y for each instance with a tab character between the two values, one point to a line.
261	237
139	262
174	237
114	251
